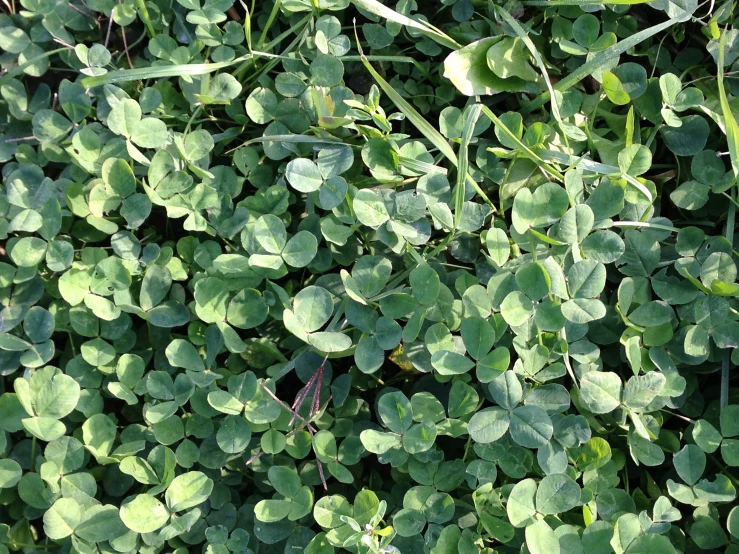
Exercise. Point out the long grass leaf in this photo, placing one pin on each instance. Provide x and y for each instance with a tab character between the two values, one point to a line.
604	57
525	150
516	26
424	127
730	124
294	139
376	8
419	166
19	68
394	59
471	116
596	168
270	21
547	3
732	137
523	35
158	72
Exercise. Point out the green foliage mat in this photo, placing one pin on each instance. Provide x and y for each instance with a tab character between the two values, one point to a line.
434	276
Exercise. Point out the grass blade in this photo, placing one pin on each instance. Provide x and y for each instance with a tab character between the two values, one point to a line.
604	57
158	72
525	150
425	128
523	35
547	3
399	59
730	124
463	162
19	69
732	138
597	168
376	8
419	166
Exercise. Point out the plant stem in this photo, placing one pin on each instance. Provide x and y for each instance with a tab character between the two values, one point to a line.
194	115
33	454
724	469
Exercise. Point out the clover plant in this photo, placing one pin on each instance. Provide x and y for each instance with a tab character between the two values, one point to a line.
323	276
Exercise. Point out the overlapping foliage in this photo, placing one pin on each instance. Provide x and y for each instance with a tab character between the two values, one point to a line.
319	276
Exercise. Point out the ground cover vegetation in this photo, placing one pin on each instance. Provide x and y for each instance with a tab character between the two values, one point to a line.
324	276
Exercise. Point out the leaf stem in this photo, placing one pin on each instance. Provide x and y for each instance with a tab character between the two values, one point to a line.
724	469
33	454
192	118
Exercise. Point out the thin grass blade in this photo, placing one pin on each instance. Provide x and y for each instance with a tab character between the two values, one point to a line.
472	114
732	138
580	3
426	129
376	8
158	72
604	57
525	150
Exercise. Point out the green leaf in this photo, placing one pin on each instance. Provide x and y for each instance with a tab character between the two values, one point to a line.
395	412
303	175
508	58
270	233
576	224
10	473
690	463
188	490
516	308
100	523
181	353
370	209
688	139
635	160
531	427
586	279
498	245
583	310
377	442
329	509
539	209
468	69
155	286
451	363
300	250
478	336
61	520
540	539
521	506
247	309
54	395
488	425
50	126
557	493
143	513
425	284
601	391
409	522
28	252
